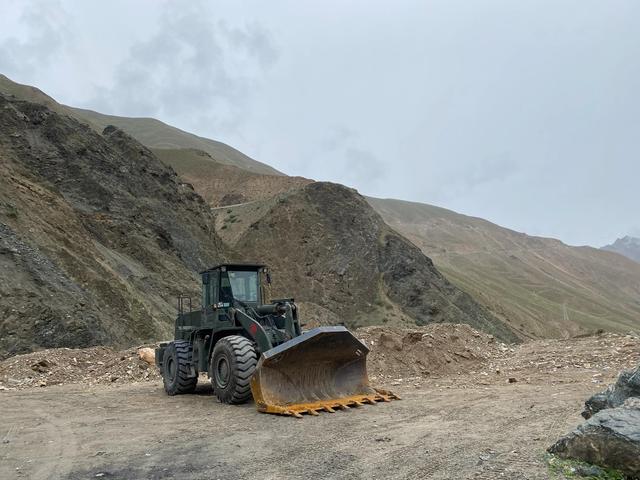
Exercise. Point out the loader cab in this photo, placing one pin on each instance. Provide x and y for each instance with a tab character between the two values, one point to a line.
223	284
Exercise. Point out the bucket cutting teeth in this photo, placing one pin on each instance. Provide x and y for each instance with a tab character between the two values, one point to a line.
329	405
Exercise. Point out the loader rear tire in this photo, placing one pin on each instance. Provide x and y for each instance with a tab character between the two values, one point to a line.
176	368
232	365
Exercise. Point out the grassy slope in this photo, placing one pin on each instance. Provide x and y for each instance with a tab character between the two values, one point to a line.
156	134
148	131
540	286
221	184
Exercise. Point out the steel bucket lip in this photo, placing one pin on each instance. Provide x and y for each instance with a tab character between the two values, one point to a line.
309	335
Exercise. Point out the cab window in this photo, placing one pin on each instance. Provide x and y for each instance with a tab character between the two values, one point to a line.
243	285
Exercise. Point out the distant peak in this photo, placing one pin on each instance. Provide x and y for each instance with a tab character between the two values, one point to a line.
628	240
628	246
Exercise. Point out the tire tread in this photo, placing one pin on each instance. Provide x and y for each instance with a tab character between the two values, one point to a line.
243	363
184	383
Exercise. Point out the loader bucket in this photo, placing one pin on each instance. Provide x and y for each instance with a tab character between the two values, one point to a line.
320	370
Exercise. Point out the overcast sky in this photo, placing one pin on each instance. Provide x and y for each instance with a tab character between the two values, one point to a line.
526	113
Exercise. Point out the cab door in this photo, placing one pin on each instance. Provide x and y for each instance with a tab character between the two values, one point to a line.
210	293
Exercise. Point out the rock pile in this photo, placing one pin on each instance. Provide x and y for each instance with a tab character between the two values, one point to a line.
611	435
598	353
626	387
88	366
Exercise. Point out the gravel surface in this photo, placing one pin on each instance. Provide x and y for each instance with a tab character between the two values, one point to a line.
492	419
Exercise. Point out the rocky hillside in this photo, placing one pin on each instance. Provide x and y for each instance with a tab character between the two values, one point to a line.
540	286
627	246
330	250
97	236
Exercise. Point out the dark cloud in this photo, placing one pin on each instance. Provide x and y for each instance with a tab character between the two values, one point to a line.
197	70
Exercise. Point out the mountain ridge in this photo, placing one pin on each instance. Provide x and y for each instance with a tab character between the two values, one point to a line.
98	237
156	134
539	286
151	132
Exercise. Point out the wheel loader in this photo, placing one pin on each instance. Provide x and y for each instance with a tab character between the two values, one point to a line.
251	347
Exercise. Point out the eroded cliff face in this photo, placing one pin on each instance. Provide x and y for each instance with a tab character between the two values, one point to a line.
97	236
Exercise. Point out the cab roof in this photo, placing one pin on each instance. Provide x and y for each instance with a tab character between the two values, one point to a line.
236	266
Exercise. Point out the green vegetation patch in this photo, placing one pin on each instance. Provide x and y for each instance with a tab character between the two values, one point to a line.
231	219
575	469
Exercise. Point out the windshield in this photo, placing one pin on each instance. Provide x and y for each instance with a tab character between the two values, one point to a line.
244	285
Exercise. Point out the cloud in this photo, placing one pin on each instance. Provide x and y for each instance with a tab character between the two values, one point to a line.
337	138
469	175
350	163
197	70
523	115
48	33
363	167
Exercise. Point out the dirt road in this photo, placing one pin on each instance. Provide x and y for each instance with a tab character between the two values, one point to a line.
136	431
472	426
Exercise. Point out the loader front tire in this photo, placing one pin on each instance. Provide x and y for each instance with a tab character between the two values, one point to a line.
177	374
232	364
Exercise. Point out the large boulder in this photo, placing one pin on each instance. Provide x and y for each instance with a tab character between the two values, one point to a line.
610	438
627	386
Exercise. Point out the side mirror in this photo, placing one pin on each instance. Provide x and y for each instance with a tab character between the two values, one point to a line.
269	278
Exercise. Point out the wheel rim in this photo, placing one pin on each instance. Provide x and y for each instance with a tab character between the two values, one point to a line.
222	372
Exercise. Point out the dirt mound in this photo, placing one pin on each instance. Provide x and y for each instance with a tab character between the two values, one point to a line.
87	366
398	354
405	354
